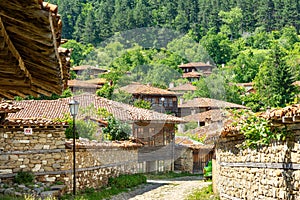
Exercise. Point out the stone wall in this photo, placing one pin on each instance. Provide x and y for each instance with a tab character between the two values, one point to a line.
95	166
184	161
269	172
49	157
41	152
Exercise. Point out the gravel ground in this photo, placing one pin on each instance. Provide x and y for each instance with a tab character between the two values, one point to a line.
175	189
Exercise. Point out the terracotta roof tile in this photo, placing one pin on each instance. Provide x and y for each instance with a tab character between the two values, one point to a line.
32	122
191	75
97	81
188	142
85	67
53	109
195	64
82	84
292	112
212	103
138	88
211	115
9	107
184	87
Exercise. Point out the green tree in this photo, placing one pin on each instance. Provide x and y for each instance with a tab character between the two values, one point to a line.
247	63
232	22
218	46
79	51
106	91
116	130
275	78
140	103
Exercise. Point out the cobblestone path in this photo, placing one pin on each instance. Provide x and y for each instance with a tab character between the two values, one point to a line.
175	189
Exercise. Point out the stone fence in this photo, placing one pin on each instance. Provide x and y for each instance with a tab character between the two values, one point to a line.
44	151
269	172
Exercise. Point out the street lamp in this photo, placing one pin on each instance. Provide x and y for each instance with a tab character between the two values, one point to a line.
162	104
74	105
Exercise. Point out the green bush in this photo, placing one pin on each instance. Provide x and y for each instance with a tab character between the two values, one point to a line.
127	181
24	178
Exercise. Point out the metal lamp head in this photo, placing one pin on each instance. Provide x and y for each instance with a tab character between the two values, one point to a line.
74	106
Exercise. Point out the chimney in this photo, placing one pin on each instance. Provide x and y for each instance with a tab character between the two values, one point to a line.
223	65
171	85
208	62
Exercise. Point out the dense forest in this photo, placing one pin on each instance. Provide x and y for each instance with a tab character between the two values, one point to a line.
92	21
247	41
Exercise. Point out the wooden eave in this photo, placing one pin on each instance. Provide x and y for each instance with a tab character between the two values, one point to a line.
30	62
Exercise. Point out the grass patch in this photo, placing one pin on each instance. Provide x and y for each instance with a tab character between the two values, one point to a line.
115	186
205	193
168	175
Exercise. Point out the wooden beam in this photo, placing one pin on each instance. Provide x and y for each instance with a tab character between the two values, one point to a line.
55	45
14	50
6	95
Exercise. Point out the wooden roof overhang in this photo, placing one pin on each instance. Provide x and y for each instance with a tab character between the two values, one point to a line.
30	62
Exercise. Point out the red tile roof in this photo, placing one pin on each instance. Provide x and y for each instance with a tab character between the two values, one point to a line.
9	107
81	84
188	142
184	87
33	122
138	88
54	109
191	75
97	81
290	112
194	64
210	132
212	103
85	67
211	115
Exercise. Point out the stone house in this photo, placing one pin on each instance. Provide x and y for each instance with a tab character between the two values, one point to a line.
181	89
198	105
161	100
31	60
194	70
78	86
191	156
267	172
156	131
89	70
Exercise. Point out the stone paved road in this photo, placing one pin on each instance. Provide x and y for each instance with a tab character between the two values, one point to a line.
175	189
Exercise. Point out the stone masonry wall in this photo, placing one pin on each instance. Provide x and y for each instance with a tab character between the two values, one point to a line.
184	161
269	173
95	166
42	152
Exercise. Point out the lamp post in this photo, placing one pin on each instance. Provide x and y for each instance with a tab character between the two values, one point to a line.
162	104
74	105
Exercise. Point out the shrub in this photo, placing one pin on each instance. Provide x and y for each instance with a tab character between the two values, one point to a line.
24	178
127	181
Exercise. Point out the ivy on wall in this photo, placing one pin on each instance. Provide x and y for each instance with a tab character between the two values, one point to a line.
257	130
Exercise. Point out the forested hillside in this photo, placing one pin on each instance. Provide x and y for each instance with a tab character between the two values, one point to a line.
91	21
247	41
